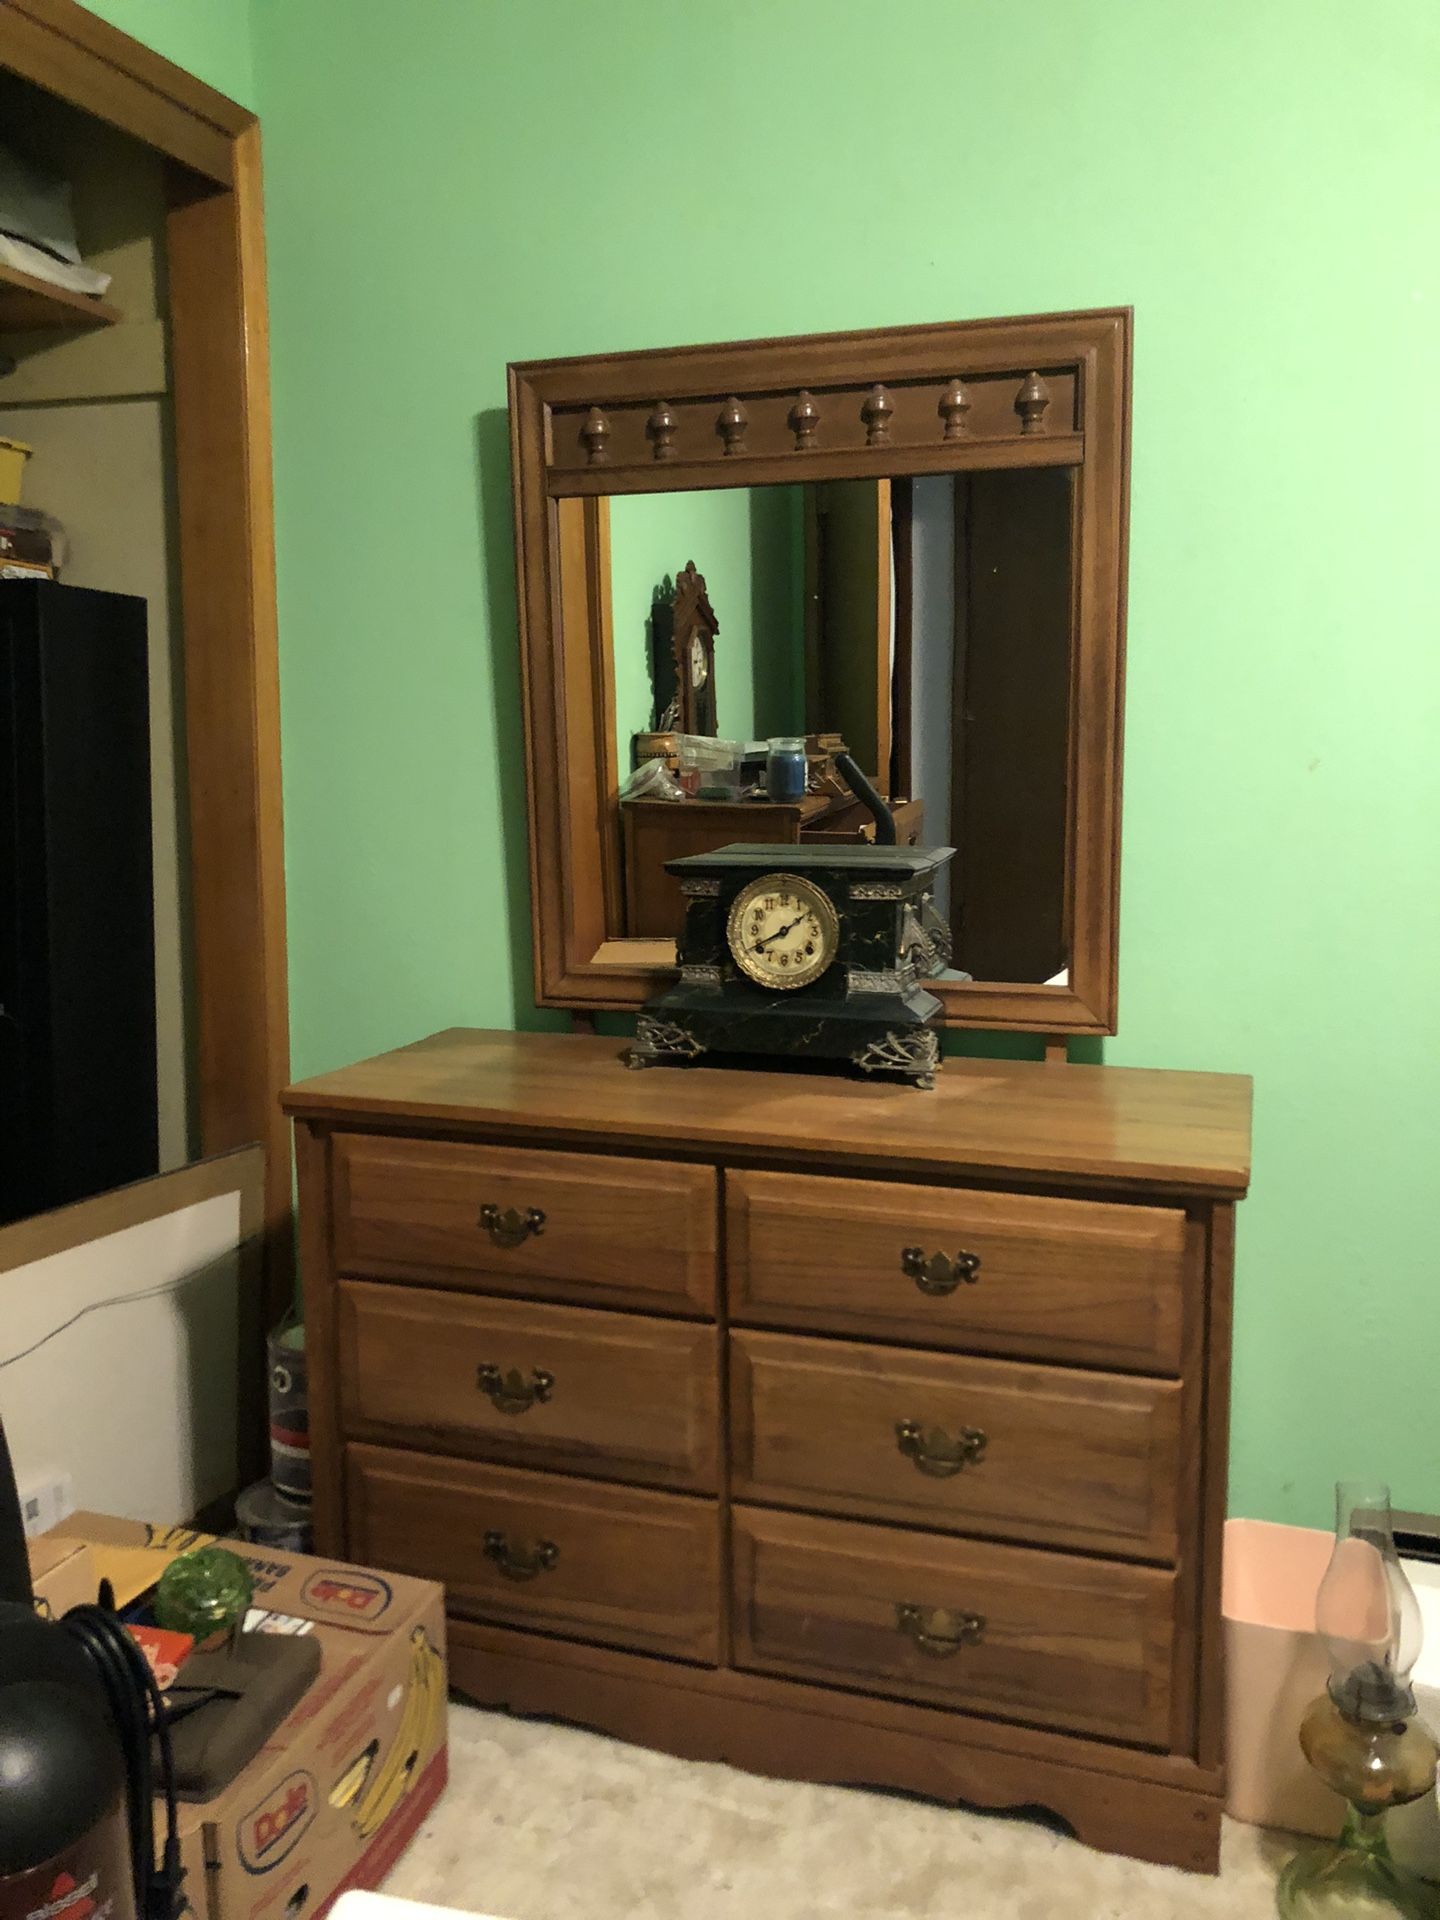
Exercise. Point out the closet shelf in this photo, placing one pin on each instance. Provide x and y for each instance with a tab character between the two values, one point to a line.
29	305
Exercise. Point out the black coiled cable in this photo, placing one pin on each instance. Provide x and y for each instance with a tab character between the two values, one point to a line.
138	1710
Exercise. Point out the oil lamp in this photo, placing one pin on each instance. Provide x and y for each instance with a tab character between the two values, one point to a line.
1361	1735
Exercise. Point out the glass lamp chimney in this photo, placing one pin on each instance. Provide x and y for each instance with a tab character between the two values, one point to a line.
1366	1610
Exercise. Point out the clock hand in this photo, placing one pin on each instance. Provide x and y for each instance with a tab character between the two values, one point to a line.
779	933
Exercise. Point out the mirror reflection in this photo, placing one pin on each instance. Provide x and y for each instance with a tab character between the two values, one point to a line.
921	624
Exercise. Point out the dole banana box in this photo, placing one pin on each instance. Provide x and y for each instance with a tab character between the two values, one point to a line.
62	1574
341	1787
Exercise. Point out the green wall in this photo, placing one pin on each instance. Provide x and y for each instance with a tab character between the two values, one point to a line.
209	38
498	182
748	542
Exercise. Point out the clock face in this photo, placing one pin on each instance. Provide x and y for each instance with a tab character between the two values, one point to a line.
783	931
698	669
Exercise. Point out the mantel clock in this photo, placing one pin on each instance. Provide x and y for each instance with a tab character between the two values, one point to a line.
809	952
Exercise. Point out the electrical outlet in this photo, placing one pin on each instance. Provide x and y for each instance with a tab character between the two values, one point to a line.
46	1500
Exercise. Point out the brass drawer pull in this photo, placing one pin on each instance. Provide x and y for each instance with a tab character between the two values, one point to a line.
510	1392
511	1228
937	1273
935	1454
515	1564
937	1631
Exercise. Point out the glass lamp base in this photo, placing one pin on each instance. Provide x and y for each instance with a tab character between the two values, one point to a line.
1353	1878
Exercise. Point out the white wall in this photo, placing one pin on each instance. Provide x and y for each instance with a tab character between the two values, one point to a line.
121	1353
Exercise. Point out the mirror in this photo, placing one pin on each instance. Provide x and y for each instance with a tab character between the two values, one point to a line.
925	622
908	545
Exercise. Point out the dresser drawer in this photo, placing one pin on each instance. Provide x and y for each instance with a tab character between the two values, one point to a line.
621	1568
1046	1638
1049	1454
590	1228
609	1394
1044	1279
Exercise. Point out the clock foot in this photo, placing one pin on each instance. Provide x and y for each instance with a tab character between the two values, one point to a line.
660	1043
911	1051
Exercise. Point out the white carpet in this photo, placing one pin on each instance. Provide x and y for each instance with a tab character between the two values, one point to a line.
544	1822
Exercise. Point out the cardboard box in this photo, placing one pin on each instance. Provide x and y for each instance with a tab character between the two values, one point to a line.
62	1573
13	455
341	1787
130	1554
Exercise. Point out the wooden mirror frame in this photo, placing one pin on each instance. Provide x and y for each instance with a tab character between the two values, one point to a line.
1042	391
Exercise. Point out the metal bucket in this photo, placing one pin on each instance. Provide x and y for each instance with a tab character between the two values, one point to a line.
264	1518
289	1414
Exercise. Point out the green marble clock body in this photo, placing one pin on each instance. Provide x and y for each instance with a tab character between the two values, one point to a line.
805	952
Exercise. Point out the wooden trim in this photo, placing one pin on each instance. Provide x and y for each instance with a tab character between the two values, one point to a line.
1116	1799
1122	1132
902	508
874	1711
1102	487
312	1170
955	826
1214	1492
47	1234
140	63
597	536
583	531
69	51
31	305
1197	1689
777	364
762	469
219	339
1086	355
884	631
536	588
232	699
622	974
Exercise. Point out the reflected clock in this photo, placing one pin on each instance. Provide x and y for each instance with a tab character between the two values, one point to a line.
693	631
804	953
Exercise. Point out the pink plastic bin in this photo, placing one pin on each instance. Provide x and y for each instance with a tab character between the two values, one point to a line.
1274	1667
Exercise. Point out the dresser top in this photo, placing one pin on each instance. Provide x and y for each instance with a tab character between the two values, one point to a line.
1116	1126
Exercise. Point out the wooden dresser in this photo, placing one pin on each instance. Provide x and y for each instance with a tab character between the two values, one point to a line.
843	1431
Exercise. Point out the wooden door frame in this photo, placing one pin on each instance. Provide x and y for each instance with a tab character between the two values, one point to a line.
219	343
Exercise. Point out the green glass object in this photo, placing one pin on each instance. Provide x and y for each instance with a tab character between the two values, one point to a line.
1354	1878
206	1594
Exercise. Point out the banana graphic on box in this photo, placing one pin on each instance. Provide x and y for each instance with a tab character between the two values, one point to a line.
372	1792
348	1787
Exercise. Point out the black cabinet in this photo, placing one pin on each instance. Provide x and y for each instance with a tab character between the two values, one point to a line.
77	942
